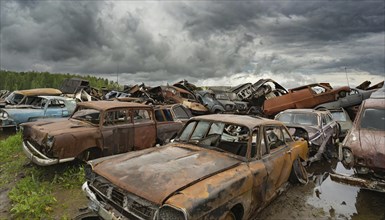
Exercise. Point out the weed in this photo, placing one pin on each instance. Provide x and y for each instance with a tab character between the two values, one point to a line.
72	177
31	199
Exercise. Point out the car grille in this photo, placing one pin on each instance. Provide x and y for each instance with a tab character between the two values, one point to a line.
134	207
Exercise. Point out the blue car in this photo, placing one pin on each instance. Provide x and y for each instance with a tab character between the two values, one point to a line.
41	107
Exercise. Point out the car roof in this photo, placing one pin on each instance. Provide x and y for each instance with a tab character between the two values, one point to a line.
55	97
306	110
245	120
39	91
105	105
374	102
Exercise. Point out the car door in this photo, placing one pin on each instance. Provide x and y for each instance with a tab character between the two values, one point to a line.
52	109
118	131
277	160
258	170
144	129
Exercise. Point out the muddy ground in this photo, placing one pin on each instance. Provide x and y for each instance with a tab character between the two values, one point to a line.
321	198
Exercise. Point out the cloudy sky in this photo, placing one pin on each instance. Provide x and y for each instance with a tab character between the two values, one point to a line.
204	42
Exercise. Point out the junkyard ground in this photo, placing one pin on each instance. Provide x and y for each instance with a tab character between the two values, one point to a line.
321	198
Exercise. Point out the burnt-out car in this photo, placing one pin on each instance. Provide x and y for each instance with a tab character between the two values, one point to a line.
221	166
307	96
170	119
363	148
318	127
96	128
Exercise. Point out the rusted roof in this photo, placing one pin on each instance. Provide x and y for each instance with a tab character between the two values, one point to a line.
105	105
244	120
39	91
375	103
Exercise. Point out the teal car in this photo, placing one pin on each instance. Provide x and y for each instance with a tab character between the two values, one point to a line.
41	107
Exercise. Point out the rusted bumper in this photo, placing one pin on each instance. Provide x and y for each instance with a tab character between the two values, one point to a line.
99	208
376	185
40	159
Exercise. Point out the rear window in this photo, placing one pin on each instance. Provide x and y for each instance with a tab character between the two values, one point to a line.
373	119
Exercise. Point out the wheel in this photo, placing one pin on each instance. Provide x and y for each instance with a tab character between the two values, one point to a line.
298	173
229	216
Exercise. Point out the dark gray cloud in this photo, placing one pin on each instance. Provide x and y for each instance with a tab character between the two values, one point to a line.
195	40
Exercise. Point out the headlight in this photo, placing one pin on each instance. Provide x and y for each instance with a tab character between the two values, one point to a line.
49	141
347	157
3	115
170	213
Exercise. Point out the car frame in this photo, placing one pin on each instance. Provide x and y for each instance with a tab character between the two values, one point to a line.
199	178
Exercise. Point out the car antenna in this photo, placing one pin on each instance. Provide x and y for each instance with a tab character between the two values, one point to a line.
347	79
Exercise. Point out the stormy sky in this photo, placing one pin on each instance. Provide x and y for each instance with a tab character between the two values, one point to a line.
204	42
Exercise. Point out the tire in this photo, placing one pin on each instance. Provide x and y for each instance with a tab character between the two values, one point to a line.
298	173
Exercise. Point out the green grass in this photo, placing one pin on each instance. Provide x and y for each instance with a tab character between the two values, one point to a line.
33	187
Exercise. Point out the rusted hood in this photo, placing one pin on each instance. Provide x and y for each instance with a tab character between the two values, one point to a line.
372	146
38	131
157	174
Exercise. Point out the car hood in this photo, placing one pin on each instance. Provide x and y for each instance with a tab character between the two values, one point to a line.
157	173
372	147
39	130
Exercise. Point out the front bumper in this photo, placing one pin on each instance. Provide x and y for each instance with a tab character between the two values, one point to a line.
40	159
99	208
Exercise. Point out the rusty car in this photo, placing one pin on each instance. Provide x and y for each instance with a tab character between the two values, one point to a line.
363	148
25	97
169	120
173	94
318	127
307	96
220	166
39	107
95	129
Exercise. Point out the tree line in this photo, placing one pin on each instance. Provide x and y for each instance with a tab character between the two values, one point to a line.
10	80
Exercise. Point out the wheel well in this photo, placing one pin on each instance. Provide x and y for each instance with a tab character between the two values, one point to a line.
238	211
89	154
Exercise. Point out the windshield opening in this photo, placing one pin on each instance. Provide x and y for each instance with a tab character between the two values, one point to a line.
89	115
307	119
218	136
339	116
373	119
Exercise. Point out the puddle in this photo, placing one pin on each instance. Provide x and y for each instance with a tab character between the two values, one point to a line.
343	201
